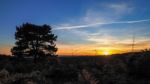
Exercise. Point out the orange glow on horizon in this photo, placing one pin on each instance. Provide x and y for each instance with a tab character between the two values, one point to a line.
88	52
97	49
5	50
85	50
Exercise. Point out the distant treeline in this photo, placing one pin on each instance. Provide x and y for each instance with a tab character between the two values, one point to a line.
4	56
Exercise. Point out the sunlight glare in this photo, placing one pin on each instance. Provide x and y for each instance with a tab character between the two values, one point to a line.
106	53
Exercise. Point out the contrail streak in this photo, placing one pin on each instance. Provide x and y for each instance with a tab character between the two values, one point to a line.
100	23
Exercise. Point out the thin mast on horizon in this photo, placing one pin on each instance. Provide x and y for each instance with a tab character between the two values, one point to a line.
133	41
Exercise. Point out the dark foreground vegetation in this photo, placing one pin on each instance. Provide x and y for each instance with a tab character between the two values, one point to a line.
128	68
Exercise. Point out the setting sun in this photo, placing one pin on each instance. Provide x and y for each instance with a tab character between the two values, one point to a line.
106	53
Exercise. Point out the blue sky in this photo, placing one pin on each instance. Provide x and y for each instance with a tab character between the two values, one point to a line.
99	24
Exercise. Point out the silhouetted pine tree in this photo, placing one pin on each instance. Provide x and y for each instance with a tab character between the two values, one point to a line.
35	41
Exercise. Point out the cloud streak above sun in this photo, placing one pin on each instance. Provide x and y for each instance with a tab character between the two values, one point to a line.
100	23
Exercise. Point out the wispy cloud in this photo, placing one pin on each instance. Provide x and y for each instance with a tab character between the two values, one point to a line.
120	8
100	23
93	16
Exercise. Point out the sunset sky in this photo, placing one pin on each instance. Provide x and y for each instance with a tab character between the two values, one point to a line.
83	27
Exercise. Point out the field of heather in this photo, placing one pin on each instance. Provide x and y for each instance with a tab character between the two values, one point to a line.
116	69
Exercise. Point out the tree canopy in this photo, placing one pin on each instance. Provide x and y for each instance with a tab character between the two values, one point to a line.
34	40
